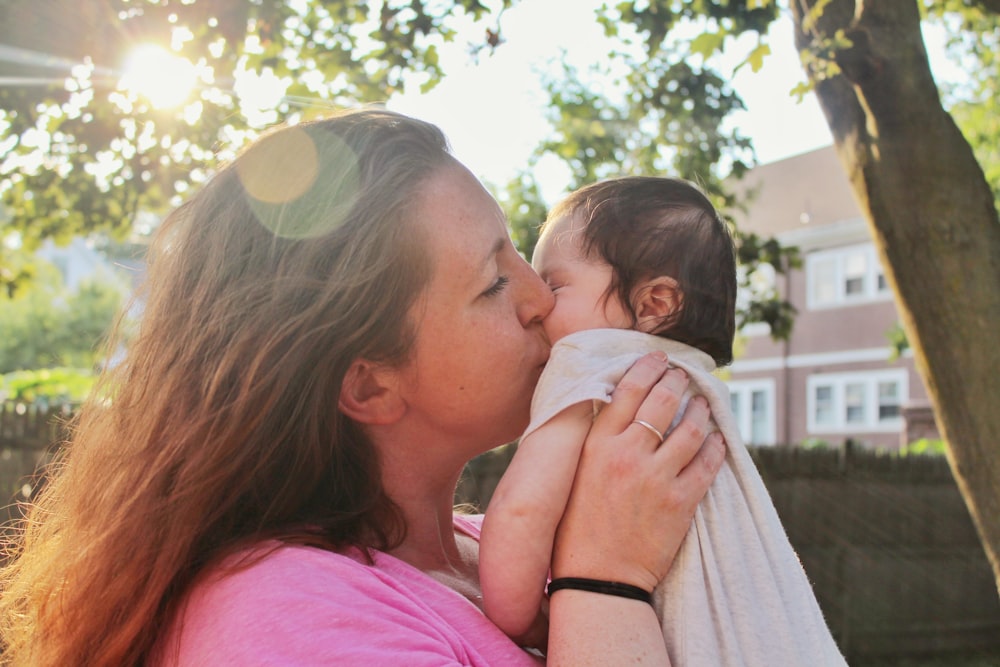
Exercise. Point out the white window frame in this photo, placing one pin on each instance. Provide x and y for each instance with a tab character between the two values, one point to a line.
839	382
745	390
878	402
831	404
840	258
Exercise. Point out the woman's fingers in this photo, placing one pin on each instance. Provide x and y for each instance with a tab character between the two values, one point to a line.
633	496
707	462
698	472
648	391
682	444
657	410
691	455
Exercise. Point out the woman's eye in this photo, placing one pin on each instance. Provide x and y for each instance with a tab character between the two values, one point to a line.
497	287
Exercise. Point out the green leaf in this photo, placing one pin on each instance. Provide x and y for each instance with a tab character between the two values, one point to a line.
801	89
756	57
707	44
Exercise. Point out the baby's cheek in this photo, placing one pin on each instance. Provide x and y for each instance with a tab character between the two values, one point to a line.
556	325
550	331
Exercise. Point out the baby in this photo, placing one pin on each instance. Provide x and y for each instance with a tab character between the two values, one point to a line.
640	264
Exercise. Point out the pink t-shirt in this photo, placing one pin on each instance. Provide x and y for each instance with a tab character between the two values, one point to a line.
306	606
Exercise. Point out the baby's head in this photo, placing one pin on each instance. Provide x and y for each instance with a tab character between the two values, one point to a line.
642	253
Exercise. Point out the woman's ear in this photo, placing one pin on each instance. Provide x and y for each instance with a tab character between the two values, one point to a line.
369	395
655	300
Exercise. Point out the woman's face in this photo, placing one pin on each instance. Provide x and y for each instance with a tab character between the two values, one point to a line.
479	347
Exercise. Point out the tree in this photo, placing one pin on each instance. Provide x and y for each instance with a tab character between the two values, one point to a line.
48	326
928	201
81	150
86	152
667	117
932	211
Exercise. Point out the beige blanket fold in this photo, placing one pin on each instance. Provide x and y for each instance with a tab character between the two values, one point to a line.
736	595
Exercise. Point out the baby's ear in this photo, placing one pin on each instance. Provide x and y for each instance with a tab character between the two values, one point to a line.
655	300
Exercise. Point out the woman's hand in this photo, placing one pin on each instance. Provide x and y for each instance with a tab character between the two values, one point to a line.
633	498
632	502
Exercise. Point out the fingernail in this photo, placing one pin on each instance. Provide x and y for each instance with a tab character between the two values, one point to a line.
660	355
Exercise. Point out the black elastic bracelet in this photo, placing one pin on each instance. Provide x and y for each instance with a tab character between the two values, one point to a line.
598	586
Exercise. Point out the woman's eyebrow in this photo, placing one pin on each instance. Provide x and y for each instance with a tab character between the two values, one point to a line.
495	249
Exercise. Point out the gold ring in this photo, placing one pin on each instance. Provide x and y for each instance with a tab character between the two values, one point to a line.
650	428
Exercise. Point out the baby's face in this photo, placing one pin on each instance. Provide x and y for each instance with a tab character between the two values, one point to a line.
578	283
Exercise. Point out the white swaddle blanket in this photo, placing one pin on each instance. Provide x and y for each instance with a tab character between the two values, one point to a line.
736	595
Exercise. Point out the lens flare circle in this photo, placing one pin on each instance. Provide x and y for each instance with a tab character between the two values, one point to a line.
300	182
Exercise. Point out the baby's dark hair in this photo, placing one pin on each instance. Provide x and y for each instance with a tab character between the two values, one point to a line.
646	227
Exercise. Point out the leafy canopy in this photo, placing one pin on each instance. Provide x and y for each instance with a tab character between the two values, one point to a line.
86	144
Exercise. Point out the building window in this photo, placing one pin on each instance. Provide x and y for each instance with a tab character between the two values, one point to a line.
760	417
888	401
822	280
856	402
855	270
823	405
845	276
752	402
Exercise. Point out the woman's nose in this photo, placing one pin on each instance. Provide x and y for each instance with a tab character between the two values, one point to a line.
535	299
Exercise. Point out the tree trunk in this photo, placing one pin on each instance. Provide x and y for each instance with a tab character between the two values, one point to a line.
934	222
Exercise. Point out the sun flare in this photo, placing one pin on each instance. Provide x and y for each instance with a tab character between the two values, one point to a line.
165	79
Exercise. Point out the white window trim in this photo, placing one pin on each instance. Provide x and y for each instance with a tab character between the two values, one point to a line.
745	389
839	257
880	354
871	380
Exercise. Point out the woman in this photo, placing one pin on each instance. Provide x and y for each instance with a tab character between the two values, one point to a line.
333	327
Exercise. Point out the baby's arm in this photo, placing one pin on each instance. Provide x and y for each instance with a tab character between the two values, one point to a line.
520	524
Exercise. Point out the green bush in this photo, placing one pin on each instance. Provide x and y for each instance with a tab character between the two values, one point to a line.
48	326
48	386
924	446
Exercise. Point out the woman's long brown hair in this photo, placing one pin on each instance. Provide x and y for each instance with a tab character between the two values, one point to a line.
220	428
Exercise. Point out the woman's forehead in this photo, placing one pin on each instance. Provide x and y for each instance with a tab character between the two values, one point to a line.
463	225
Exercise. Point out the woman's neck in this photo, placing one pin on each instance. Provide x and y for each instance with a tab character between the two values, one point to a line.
444	554
431	541
420	475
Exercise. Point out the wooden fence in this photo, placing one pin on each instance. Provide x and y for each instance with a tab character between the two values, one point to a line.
27	435
886	540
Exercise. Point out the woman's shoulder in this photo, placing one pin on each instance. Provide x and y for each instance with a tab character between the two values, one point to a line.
274	570
290	604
